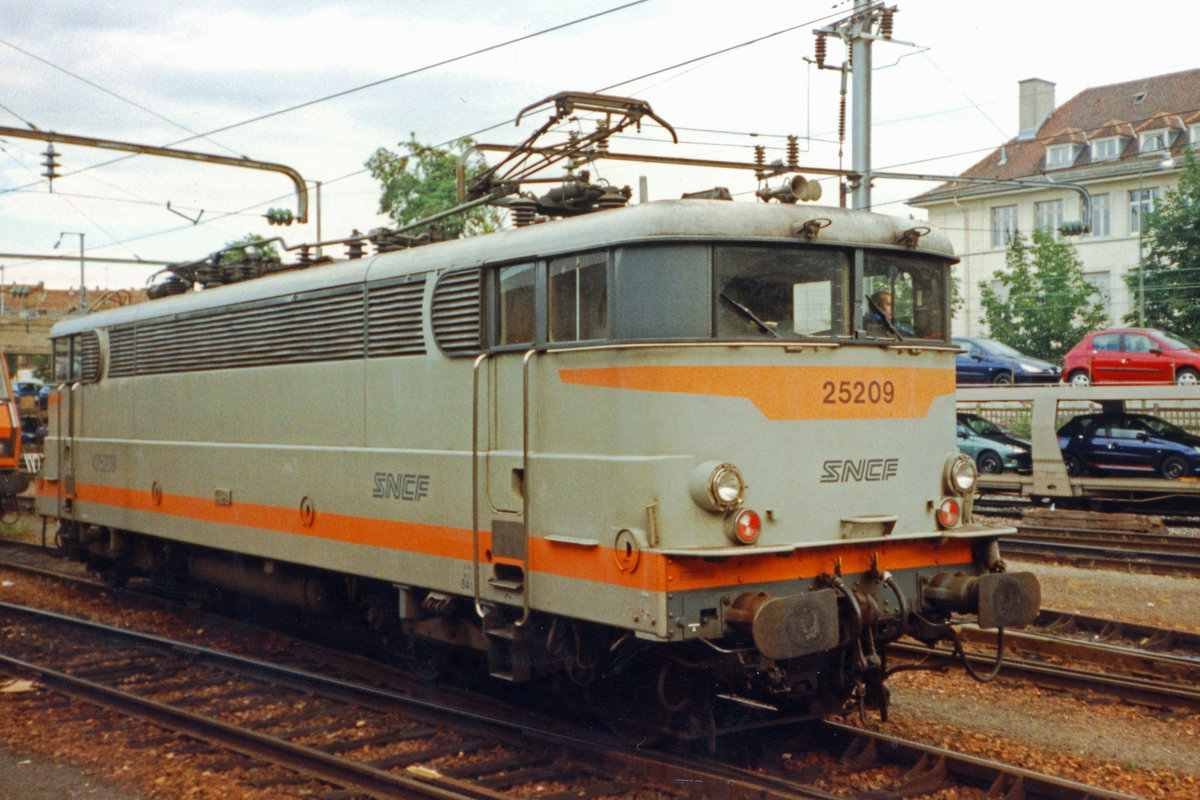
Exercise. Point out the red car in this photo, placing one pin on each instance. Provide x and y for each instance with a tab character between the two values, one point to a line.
1132	355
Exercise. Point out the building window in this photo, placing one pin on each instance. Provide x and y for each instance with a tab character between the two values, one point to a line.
1048	215
1004	225
1194	136
1101	283
1141	201
1060	155
1101	216
1153	141
1106	149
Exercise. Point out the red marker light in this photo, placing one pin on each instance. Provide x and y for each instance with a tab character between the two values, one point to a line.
949	512
746	526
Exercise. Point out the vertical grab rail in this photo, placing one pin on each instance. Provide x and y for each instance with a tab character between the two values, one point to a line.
482	357
525	483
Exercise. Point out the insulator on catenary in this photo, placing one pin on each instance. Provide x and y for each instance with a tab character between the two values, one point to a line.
614	198
793	151
820	50
885	25
760	155
524	209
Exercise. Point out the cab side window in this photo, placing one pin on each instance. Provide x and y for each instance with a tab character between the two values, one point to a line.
578	298
516	309
62	360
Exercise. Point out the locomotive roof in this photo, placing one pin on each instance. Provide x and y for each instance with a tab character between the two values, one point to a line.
662	220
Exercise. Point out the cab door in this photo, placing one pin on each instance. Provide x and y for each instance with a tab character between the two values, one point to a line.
66	416
502	429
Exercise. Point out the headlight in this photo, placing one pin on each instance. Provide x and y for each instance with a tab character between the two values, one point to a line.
960	474
716	486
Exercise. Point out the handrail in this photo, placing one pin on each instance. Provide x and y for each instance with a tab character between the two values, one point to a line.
482	357
525	483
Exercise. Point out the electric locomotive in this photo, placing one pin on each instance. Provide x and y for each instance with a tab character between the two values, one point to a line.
676	457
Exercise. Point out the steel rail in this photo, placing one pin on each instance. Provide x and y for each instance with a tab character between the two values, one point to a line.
1182	692
1003	780
323	766
698	777
1158	563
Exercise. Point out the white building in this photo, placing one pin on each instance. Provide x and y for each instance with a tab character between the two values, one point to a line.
1122	143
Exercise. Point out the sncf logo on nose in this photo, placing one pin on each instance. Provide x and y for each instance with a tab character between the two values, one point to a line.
858	470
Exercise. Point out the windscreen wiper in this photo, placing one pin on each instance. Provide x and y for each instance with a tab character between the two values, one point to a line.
750	315
883	317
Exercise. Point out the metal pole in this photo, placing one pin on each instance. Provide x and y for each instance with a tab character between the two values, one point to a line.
860	58
82	281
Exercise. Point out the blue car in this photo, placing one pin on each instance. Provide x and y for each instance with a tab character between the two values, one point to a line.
1128	444
993	448
989	361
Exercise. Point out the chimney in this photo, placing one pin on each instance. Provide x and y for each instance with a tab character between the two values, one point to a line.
1036	103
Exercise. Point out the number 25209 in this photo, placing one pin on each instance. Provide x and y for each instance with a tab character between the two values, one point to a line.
858	392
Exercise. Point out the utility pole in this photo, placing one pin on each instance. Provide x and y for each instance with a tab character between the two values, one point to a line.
82	280
870	22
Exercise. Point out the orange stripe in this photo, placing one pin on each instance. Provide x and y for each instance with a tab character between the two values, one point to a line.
783	393
656	572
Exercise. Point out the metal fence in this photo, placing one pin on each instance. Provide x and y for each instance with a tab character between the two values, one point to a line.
1014	416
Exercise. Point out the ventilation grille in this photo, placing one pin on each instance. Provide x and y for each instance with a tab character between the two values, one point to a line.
121	352
455	313
394	319
89	357
319	326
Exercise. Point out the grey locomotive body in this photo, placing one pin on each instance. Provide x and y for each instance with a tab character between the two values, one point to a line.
677	440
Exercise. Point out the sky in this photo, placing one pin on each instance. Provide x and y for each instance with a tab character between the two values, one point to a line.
166	74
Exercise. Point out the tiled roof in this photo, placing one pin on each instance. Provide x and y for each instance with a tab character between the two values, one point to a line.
1120	109
59	302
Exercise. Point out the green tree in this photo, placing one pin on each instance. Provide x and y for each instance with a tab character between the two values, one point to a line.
249	246
1046	305
1169	276
422	182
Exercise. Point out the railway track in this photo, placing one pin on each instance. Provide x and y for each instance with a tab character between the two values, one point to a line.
1143	664
1159	555
1043	537
336	738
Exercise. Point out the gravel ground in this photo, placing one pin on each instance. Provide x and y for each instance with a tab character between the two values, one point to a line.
40	778
1143	752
